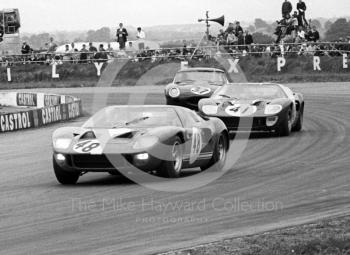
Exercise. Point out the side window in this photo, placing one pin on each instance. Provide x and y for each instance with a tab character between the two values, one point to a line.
289	93
191	119
195	117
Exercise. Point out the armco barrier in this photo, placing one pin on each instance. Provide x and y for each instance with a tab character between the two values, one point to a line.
47	109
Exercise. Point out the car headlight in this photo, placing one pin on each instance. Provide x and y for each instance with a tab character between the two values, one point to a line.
210	109
174	92
62	143
273	109
271	121
145	142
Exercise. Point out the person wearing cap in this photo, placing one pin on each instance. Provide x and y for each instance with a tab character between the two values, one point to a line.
122	36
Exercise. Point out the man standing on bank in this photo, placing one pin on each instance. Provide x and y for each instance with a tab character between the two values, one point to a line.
287	8
122	36
301	7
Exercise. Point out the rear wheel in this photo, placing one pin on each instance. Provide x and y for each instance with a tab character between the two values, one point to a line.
65	177
172	168
285	128
219	154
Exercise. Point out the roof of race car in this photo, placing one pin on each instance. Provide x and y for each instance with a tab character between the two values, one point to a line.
201	69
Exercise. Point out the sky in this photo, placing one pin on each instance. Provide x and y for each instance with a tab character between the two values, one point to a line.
73	15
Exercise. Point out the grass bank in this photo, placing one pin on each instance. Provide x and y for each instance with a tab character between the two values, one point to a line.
321	238
262	69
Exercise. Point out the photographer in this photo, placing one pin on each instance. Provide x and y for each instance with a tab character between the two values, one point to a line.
122	36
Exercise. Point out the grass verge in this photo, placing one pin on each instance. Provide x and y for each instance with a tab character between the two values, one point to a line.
263	69
326	237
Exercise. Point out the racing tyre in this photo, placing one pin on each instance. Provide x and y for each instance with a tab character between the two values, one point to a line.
299	125
285	128
64	177
172	169
219	155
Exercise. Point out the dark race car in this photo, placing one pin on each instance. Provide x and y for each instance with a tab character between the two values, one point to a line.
256	107
192	84
165	139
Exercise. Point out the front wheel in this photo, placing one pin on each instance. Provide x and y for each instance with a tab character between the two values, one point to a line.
285	127
64	177
172	168
299	124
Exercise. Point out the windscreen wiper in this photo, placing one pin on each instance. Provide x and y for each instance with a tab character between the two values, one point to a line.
136	120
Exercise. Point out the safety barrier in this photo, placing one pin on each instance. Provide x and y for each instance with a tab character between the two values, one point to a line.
46	109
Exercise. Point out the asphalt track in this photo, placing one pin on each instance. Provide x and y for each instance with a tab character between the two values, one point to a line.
276	183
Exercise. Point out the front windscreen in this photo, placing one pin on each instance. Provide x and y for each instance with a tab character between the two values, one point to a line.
208	77
250	91
118	117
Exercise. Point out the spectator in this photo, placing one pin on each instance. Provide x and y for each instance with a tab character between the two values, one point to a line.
221	37
72	47
184	48
301	7
74	51
84	54
303	49
67	57
313	35
300	35
231	38
52	45
229	29
248	38
221	33
25	48
101	55
311	49
122	36
92	48
130	49
241	41
238	28
110	50
296	23
141	36
287	8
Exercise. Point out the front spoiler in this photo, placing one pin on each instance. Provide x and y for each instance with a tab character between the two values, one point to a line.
102	163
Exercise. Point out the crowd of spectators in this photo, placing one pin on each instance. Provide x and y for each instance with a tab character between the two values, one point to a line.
304	39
